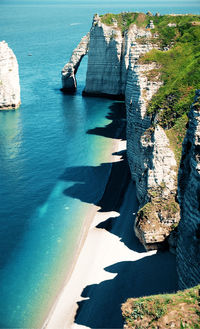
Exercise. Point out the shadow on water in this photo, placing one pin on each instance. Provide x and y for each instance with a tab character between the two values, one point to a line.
89	184
149	275
114	129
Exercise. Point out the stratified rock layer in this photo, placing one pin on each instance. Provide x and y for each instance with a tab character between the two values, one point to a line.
188	249
151	160
104	59
69	71
108	57
9	79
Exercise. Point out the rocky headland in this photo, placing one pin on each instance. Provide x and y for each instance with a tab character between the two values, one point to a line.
153	63
115	70
9	79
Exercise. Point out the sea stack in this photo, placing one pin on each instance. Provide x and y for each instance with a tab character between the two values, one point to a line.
9	79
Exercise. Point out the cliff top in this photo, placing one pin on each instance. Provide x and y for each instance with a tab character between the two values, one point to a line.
166	25
180	310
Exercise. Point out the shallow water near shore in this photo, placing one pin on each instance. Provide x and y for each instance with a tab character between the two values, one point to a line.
50	167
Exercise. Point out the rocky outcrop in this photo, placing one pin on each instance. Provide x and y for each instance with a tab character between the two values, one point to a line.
188	249
151	160
69	71
9	79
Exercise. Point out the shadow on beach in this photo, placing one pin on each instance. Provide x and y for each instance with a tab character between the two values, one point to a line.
151	274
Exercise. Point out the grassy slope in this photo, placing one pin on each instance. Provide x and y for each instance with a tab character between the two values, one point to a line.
179	67
180	310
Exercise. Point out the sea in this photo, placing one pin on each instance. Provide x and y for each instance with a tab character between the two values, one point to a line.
51	169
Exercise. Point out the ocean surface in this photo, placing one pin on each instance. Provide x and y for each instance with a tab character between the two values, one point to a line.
50	167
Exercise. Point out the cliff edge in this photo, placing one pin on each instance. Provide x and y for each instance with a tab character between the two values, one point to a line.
9	79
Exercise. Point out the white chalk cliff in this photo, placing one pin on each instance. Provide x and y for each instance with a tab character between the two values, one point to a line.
151	160
9	79
114	70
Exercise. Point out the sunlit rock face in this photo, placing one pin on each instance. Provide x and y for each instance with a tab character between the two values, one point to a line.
9	79
188	250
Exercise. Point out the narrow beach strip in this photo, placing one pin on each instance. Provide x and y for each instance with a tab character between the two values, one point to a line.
112	265
64	309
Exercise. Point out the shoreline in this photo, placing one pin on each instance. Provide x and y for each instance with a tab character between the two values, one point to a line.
54	313
111	265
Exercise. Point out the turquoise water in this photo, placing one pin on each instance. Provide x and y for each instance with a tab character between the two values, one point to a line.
50	168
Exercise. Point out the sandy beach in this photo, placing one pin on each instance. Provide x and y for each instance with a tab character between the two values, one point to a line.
111	265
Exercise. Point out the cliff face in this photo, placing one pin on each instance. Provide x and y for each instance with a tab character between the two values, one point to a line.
188	249
109	56
151	160
114	69
9	79
104	59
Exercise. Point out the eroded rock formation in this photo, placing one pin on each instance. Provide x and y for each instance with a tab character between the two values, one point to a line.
152	162
69	71
188	249
9	79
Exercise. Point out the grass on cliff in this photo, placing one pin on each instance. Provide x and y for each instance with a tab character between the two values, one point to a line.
124	20
180	73
179	67
180	310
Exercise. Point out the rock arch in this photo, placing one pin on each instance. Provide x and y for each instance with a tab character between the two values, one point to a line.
69	70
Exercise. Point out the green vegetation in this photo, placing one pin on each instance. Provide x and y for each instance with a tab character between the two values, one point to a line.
180	310
176	135
180	73
124	20
178	62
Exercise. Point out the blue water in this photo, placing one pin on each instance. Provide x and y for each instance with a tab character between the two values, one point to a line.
50	168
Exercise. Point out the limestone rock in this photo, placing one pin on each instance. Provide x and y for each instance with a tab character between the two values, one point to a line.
150	158
114	69
108	58
104	59
188	249
70	69
9	79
